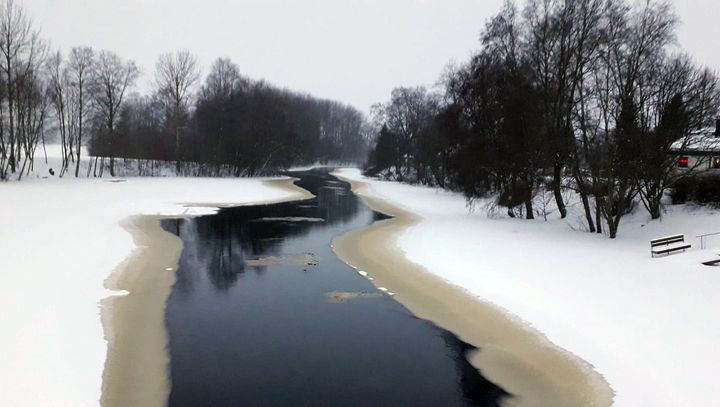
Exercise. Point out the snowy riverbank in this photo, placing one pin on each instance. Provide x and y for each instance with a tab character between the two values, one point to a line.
649	326
60	240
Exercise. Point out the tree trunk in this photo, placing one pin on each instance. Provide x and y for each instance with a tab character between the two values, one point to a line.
11	117
177	137
177	151
79	142
557	191
588	213
612	228
582	189
77	163
614	224
653	206
598	217
529	213
655	211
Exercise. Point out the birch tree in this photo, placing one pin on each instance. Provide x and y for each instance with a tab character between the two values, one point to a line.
21	54
80	66
112	76
176	74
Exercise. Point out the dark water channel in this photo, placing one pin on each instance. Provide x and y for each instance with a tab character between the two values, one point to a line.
250	334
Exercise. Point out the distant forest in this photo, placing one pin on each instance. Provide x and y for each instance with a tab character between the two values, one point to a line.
251	126
578	97
224	124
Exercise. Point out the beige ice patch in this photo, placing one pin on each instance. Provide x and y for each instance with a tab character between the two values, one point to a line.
344	296
303	259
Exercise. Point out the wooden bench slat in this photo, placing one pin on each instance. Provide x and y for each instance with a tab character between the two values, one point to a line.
672	249
658	242
660	239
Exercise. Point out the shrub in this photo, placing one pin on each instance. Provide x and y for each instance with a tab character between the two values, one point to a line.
683	190
514	195
703	189
708	190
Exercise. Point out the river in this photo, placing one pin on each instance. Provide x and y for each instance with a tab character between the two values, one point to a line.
264	314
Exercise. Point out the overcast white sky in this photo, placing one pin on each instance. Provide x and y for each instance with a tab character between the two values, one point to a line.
354	51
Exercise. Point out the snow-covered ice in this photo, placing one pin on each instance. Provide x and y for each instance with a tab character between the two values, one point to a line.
650	326
59	240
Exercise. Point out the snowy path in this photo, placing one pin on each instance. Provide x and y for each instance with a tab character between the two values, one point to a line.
59	241
650	326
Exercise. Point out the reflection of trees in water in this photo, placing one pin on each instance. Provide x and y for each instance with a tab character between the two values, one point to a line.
223	264
336	203
477	390
186	273
218	245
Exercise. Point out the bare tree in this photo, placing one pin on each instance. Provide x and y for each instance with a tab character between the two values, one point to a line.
111	78
223	80
80	67
408	113
678	103
630	101
562	39
21	53
59	89
32	108
176	74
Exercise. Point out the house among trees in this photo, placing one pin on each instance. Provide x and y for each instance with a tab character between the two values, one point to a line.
700	151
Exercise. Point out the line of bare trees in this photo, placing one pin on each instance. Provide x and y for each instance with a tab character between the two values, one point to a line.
234	124
87	87
40	89
84	101
586	96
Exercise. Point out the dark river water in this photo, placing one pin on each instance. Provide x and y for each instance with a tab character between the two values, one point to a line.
249	333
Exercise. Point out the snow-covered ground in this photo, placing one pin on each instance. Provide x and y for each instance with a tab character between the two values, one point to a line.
59	240
650	326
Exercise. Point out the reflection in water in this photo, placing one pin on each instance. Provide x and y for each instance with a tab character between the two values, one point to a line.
251	333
